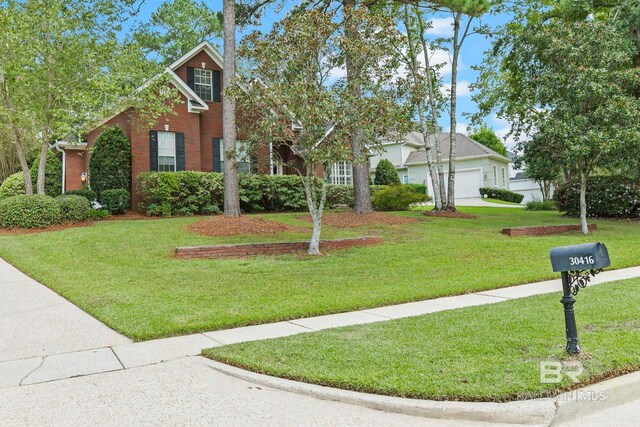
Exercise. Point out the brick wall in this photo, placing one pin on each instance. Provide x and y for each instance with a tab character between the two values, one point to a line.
243	250
544	230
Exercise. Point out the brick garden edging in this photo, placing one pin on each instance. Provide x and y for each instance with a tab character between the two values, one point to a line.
243	250
545	230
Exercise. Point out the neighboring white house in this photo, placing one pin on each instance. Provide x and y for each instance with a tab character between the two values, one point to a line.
519	183
476	165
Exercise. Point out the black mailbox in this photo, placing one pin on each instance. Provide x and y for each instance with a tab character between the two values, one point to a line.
589	256
577	264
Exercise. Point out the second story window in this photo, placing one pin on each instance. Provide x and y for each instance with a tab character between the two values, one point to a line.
203	83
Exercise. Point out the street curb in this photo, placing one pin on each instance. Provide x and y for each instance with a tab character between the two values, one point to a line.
528	412
598	397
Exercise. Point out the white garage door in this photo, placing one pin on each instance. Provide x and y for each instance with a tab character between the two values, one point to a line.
468	183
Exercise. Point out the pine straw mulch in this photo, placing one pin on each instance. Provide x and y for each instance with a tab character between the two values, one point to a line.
449	214
352	219
226	226
57	227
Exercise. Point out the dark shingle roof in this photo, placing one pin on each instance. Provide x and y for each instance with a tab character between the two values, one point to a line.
465	147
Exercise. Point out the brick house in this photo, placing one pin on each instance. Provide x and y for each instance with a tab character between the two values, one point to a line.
190	139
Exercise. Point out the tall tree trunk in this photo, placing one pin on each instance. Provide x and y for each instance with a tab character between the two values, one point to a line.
361	187
441	189
422	114
44	150
46	132
17	138
583	203
451	191
231	195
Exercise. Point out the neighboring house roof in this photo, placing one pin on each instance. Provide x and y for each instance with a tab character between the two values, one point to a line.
465	148
519	176
511	155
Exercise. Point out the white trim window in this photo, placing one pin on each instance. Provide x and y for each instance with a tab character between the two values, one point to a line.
504	178
166	152
243	157
405	179
203	83
495	176
342	173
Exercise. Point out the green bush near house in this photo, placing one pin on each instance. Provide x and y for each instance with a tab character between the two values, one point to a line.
201	193
110	164
607	197
397	198
12	186
416	188
73	208
52	174
501	194
98	214
87	193
386	174
29	211
115	201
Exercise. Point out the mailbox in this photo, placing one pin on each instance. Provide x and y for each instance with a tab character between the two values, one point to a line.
589	256
577	264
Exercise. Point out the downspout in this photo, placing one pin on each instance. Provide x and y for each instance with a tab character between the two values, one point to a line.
64	164
271	158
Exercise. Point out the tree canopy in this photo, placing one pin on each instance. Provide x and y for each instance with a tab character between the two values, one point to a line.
487	137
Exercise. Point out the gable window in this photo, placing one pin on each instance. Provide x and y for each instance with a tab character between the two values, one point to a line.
203	83
342	173
166	151
495	176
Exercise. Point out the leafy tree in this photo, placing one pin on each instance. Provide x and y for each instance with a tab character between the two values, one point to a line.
487	137
177	27
542	163
292	103
386	174
65	68
571	83
110	163
52	174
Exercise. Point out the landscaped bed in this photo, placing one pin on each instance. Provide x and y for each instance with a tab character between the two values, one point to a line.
486	353
125	273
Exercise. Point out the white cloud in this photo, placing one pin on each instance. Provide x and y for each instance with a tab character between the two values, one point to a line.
337	73
461	128
441	27
463	88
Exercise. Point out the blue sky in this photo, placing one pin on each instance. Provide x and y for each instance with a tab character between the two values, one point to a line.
471	54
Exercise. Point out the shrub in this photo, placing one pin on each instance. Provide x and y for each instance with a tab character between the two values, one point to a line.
607	197
73	208
87	193
98	214
115	201
501	194
386	174
52	174
417	188
541	205
110	164
32	211
397	198
12	186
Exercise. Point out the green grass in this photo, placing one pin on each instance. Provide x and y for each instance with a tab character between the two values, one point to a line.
124	274
485	353
501	202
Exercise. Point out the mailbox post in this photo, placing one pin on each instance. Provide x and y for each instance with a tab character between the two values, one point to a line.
577	264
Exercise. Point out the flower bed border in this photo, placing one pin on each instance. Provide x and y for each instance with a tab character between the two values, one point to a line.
545	230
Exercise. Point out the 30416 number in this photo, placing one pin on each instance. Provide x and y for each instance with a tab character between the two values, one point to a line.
581	260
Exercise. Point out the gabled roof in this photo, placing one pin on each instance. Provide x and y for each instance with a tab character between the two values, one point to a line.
466	148
196	104
208	48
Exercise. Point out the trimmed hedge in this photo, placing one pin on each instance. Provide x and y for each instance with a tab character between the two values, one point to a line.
110	163
386	174
196	193
501	194
73	208
52	174
12	186
416	188
541	205
397	198
88	194
34	211
116	201
607	197
98	214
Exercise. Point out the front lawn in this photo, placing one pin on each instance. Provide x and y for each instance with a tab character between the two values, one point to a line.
123	272
486	353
